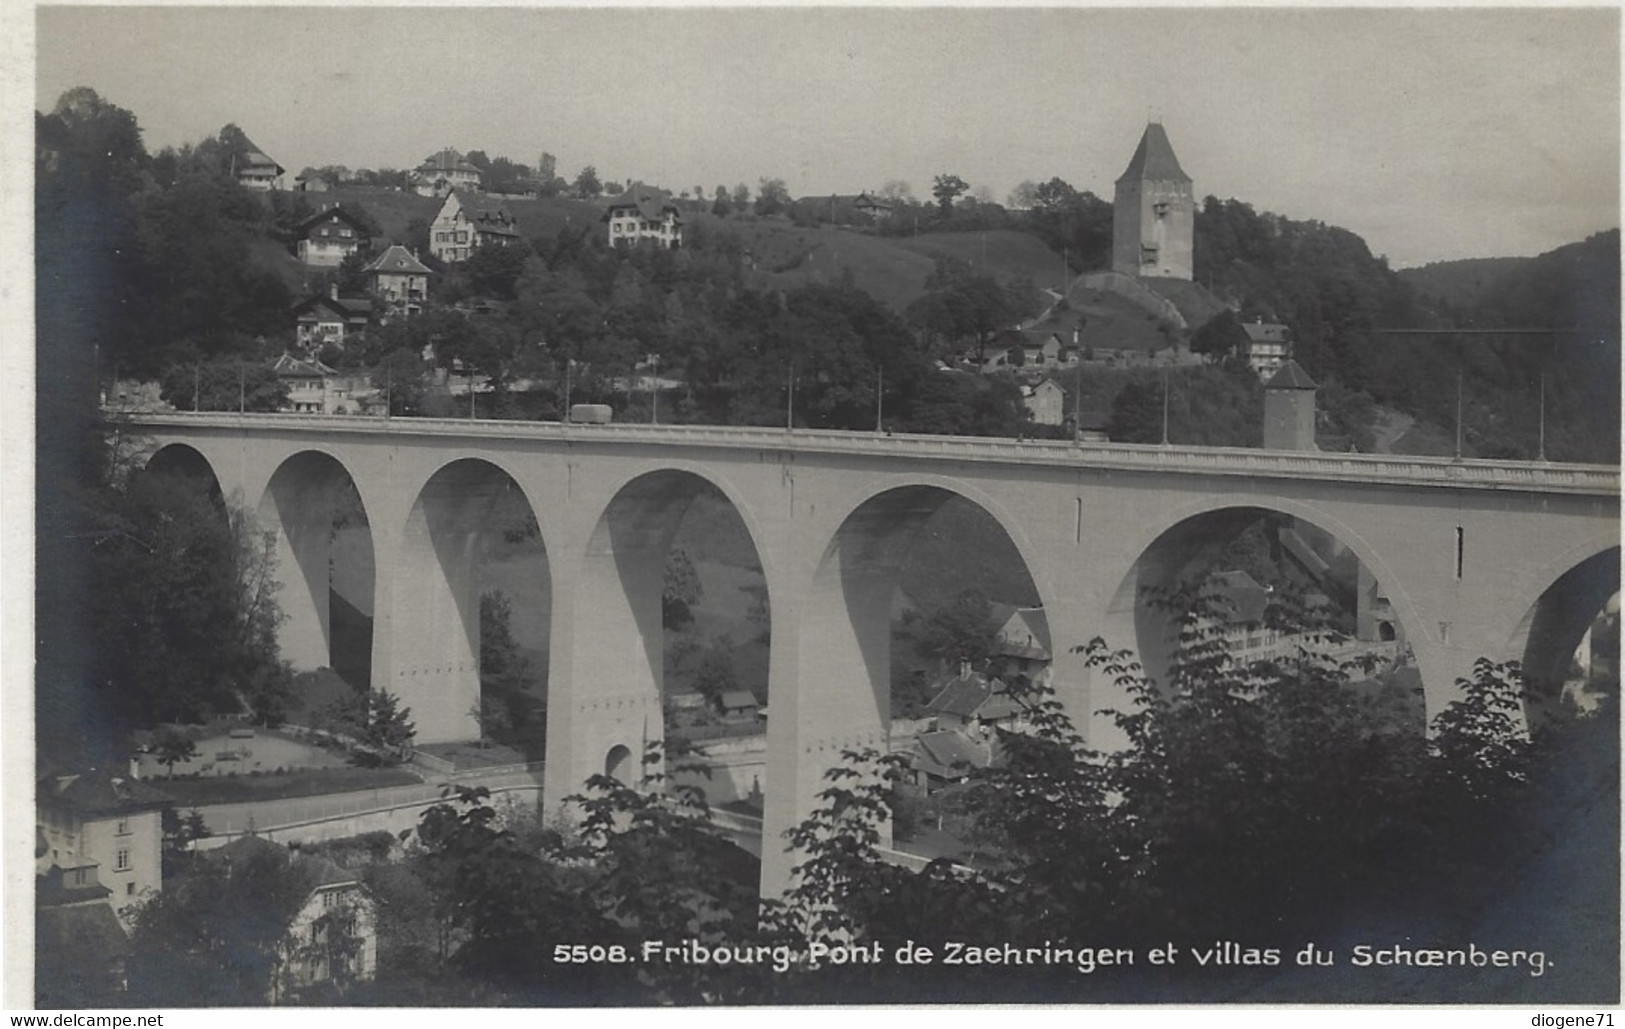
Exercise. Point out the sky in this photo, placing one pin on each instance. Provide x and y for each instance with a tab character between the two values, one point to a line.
1434	134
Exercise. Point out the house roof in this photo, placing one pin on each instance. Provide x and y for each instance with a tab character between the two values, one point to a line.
349	308
89	931
866	201
314	872
333	212
53	889
1265	332
257	159
397	259
651	203
734	699
973	695
288	366
1154	159
945	752
1241	599
448	160
485	214
102	792
1290	376
1029	622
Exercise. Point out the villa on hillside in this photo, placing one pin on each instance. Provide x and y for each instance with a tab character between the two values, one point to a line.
329	318
466	223
100	832
443	172
256	171
644	213
400	280
329	236
1266	347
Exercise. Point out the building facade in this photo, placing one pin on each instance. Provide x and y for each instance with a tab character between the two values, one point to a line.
464	224
444	172
400	280
1154	216
102	825
644	214
328	237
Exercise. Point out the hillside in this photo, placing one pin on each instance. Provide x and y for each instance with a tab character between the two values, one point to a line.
1460	284
395	210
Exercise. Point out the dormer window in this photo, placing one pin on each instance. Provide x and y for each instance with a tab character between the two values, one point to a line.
1161	208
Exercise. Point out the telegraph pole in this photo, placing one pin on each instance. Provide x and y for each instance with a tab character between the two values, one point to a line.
1165	405
790	402
880	399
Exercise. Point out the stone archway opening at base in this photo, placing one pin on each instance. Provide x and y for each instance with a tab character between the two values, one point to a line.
921	632
618	763
1272	585
472	607
672	628
325	563
1568	643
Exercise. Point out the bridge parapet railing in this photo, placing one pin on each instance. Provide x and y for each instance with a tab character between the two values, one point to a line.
1380	468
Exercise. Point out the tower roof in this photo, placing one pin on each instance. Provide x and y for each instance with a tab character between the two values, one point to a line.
1154	160
1290	376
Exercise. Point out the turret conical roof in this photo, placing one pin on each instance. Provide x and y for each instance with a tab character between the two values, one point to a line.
1154	160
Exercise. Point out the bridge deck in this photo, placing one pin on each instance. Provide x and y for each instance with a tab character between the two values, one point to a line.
1387	469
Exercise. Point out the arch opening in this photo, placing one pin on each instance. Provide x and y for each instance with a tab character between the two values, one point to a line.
1271	585
1568	643
618	763
471	599
923	619
673	627
187	463
325	564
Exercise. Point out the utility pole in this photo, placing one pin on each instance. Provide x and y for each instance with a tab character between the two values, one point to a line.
790	402
1165	406
1458	413
242	389
1542	455
654	394
880	399
197	384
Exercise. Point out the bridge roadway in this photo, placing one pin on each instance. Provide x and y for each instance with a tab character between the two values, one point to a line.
1476	558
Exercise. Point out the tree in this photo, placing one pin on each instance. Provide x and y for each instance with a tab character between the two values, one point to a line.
681	591
1219	336
182	600
960	632
1136	413
722	206
772	196
947	188
172	746
381	725
715	675
587	183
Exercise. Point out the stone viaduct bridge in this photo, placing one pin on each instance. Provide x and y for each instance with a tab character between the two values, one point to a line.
1477	558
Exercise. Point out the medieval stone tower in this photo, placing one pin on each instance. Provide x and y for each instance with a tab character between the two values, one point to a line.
1154	220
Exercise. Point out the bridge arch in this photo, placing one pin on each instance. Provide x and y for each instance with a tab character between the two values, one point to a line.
311	502
185	461
616	661
1574	591
844	640
467	524
1181	548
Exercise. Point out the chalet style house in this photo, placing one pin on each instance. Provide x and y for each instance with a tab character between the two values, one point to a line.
256	171
465	224
328	237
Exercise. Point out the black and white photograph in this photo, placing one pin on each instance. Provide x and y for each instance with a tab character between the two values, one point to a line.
800	506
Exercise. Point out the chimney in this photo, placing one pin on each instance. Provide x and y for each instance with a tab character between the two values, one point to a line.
333	290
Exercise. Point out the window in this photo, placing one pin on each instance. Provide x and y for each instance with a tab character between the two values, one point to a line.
129	889
121	862
78	876
123	827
